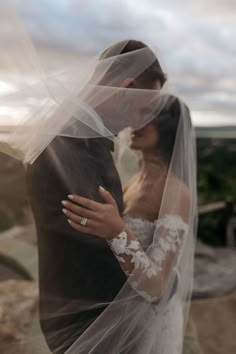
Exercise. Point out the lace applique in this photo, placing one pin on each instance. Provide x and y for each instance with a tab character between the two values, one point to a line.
120	246
172	240
142	229
168	238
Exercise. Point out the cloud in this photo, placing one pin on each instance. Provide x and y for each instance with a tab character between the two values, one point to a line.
196	39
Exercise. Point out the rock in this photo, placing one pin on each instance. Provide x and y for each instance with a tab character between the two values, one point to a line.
226	256
22	257
215	272
10	268
215	324
18	309
26	233
204	251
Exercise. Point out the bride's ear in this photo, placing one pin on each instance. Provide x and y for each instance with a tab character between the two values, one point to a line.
128	83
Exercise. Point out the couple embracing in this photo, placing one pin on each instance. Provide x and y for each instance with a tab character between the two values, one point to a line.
115	263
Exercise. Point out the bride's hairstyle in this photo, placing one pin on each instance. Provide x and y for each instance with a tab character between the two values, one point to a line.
166	124
151	74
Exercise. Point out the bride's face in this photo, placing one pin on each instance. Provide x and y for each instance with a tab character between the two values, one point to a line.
145	139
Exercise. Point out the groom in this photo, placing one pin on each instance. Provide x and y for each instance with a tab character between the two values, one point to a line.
77	269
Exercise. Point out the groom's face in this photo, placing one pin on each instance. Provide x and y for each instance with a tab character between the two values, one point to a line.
155	85
129	106
140	104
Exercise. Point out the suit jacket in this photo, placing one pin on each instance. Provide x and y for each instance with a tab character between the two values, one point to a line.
74	268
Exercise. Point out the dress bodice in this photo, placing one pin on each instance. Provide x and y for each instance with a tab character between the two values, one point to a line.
142	229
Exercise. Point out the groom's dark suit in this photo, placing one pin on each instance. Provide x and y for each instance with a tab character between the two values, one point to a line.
72	266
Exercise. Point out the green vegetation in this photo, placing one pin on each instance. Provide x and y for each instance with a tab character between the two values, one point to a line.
13	198
216	182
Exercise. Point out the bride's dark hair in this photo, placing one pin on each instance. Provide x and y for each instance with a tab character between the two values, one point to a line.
153	73
166	124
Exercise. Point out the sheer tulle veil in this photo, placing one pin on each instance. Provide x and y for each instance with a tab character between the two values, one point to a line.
87	102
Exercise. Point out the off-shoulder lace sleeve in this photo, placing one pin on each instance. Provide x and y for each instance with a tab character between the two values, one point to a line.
148	272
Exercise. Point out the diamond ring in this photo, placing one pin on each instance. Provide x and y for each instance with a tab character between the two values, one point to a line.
84	221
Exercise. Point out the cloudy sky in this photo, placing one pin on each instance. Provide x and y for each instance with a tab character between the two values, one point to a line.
195	39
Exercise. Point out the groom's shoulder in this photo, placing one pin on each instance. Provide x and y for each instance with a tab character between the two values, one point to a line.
62	149
62	157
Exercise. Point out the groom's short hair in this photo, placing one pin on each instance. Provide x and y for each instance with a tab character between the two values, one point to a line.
151	74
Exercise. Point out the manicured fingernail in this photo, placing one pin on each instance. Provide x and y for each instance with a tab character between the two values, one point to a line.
69	221
64	202
103	189
70	196
64	211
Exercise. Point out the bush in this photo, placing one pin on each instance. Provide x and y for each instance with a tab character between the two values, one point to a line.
216	182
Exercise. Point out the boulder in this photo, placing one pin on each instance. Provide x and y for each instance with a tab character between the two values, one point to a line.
18	258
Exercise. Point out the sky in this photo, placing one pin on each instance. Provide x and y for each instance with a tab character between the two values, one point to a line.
194	39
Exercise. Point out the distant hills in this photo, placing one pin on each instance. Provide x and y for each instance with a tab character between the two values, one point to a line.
216	132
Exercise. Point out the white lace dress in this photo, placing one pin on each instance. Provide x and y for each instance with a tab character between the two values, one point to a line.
165	336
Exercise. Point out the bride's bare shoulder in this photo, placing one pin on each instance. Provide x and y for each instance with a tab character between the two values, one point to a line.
130	183
175	184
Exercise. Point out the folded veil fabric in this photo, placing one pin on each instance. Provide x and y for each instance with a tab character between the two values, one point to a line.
85	107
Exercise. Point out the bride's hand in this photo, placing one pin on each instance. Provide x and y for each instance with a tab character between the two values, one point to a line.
99	219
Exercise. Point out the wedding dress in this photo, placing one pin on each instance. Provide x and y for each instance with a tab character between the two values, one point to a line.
168	334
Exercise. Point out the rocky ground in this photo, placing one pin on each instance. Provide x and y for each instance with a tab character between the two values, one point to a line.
18	308
214	322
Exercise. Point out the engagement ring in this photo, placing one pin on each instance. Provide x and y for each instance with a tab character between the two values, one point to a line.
84	221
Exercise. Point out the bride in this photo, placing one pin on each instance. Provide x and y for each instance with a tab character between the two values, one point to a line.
130	236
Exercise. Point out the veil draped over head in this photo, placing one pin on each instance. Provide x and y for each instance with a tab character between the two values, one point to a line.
64	126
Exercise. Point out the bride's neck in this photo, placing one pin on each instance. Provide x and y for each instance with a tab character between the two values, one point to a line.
152	165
